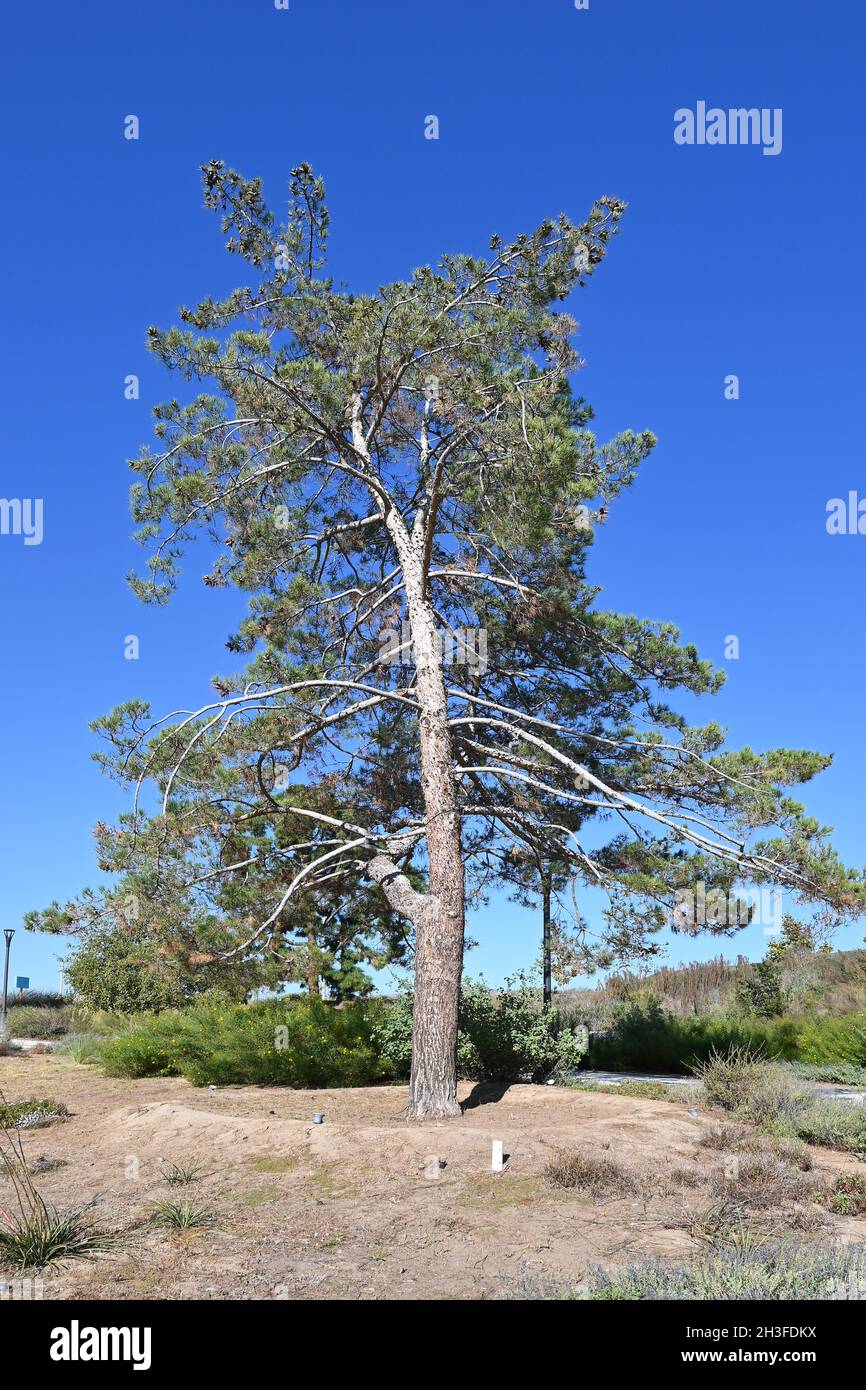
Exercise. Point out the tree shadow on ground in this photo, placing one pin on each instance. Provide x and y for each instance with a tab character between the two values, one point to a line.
485	1093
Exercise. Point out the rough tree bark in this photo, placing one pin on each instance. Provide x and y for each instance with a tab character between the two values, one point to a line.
439	930
439	916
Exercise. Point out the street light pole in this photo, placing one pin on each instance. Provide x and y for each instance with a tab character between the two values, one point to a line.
8	932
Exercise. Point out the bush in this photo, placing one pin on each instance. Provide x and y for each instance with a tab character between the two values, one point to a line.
299	1041
834	1124
827	1040
765	1180
37	1021
40	999
730	1079
82	1047
769	1096
847	1195
791	1151
31	1114
115	970
838	1073
745	1272
645	1037
508	1037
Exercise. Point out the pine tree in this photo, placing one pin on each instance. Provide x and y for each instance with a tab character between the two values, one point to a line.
407	489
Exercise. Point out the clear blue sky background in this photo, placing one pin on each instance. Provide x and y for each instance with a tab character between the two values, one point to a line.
729	261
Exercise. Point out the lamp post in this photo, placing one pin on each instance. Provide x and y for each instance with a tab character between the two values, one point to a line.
8	932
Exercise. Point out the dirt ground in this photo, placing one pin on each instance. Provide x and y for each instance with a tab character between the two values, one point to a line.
347	1209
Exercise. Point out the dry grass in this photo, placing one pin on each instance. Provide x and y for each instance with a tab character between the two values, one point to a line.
763	1181
725	1138
587	1172
685	1177
707	987
791	1151
732	1139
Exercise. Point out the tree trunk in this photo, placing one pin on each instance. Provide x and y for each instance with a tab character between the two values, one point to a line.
440	926
547	992
312	970
437	916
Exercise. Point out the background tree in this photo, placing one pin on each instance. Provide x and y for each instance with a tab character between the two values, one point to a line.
413	461
186	896
123	972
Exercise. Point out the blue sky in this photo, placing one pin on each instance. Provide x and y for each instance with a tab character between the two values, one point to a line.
730	261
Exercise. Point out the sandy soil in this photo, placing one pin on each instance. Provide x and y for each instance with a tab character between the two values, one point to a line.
346	1210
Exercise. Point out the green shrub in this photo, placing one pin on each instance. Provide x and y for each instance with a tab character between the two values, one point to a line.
847	1195
81	1047
838	1073
731	1078
508	1037
646	1037
754	1089
678	1093
123	972
298	1041
31	1114
836	1124
825	1040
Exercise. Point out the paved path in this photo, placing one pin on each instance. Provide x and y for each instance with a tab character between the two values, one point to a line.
613	1078
826	1089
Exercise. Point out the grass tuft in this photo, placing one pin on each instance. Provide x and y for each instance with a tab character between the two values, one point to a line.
174	1215
45	1236
587	1172
32	1233
176	1175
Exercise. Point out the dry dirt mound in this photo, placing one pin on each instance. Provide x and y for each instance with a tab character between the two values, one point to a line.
530	1121
352	1208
